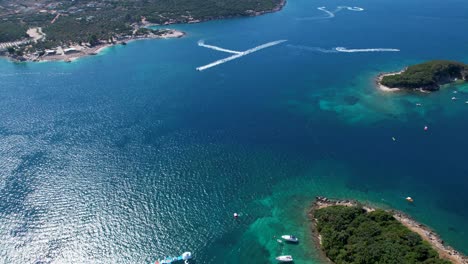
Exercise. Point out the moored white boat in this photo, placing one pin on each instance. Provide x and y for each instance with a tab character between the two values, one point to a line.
285	258
290	238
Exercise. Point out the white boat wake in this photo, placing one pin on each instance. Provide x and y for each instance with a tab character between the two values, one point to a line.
332	14
342	49
201	43
237	54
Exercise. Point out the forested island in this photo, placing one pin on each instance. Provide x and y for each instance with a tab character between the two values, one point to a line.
428	76
349	232
43	29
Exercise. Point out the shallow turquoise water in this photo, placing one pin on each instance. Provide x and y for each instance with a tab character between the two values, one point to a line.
133	155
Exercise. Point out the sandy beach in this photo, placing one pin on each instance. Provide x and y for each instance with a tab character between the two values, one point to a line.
74	52
445	251
386	88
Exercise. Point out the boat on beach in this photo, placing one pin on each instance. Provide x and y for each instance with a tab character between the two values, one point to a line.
290	238
285	258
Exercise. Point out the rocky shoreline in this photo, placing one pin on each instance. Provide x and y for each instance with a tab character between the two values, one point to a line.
249	13
425	232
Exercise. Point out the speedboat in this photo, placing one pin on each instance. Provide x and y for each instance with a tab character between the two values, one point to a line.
286	258
169	260
290	238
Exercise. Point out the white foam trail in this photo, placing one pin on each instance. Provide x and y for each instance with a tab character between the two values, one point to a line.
350	8
329	13
315	49
241	54
201	43
342	49
332	14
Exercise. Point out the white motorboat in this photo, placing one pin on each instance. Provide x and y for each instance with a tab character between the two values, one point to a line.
290	238
285	258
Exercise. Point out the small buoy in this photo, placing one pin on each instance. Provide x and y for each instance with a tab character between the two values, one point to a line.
426	128
409	199
236	215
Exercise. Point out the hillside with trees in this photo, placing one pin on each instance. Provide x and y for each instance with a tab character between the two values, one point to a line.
76	21
352	235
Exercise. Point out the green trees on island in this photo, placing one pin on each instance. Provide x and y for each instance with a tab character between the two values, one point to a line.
428	76
351	235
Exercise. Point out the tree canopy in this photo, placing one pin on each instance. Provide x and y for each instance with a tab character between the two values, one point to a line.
429	75
75	21
351	235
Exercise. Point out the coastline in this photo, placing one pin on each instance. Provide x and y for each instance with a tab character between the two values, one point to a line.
444	251
79	50
384	88
249	13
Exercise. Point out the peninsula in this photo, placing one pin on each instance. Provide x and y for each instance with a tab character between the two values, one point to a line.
37	30
428	76
349	232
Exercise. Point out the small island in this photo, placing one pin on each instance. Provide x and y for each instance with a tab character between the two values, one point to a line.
43	30
349	232
428	76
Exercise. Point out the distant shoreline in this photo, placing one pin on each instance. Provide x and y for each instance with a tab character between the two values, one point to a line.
76	51
445	251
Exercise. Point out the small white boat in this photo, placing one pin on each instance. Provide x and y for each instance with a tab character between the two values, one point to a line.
290	238
285	258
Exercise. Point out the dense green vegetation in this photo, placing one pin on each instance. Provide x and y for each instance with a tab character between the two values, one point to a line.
10	31
351	235
78	21
428	76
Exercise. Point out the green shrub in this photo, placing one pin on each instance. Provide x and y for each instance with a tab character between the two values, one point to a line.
350	235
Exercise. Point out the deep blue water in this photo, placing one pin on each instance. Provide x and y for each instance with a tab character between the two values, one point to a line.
133	155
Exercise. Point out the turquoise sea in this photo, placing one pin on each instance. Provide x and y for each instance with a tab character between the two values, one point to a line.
133	155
